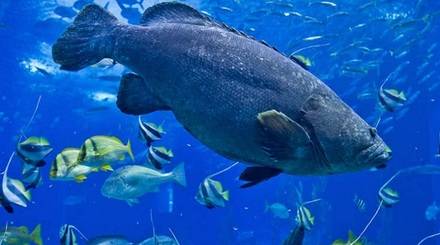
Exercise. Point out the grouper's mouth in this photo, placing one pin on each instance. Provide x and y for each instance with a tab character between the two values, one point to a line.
376	155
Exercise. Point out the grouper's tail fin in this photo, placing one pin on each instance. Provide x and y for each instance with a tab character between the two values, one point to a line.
86	41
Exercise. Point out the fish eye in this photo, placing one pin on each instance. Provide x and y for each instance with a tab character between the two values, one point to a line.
373	132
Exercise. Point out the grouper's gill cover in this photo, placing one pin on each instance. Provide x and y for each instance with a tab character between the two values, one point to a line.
240	97
348	141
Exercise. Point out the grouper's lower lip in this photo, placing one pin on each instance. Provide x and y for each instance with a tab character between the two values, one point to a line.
376	155
381	155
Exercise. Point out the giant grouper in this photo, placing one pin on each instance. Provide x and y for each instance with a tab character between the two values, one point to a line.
237	95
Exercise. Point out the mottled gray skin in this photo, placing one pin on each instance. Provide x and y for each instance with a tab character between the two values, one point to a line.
216	82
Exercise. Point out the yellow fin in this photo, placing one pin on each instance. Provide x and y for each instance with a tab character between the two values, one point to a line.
106	167
129	150
80	178
36	235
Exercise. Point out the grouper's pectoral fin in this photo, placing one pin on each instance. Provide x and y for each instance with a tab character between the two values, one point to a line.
255	175
281	137
135	97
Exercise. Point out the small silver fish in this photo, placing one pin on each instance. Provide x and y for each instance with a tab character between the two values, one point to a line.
312	38
325	3
432	212
278	210
130	182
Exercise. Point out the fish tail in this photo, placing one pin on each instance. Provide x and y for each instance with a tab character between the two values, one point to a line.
36	235
179	174
130	152
87	41
106	167
226	195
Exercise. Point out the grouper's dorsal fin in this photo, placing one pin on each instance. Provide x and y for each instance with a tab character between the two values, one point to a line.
173	12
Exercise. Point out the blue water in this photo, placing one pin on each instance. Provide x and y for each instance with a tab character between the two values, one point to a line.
67	116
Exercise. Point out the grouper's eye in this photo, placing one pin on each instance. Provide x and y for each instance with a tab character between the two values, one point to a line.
373	132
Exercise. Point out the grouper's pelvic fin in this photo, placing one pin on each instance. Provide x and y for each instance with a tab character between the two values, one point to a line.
86	41
135	96
255	175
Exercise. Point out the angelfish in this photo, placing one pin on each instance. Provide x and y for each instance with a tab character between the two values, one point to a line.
32	178
211	194
67	235
239	96
391	99
304	222
388	196
149	132
159	156
304	217
33	150
12	191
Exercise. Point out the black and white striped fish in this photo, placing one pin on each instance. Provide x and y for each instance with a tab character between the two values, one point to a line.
389	196
359	203
211	194
33	150
159	156
391	99
149	132
67	235
304	217
31	176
